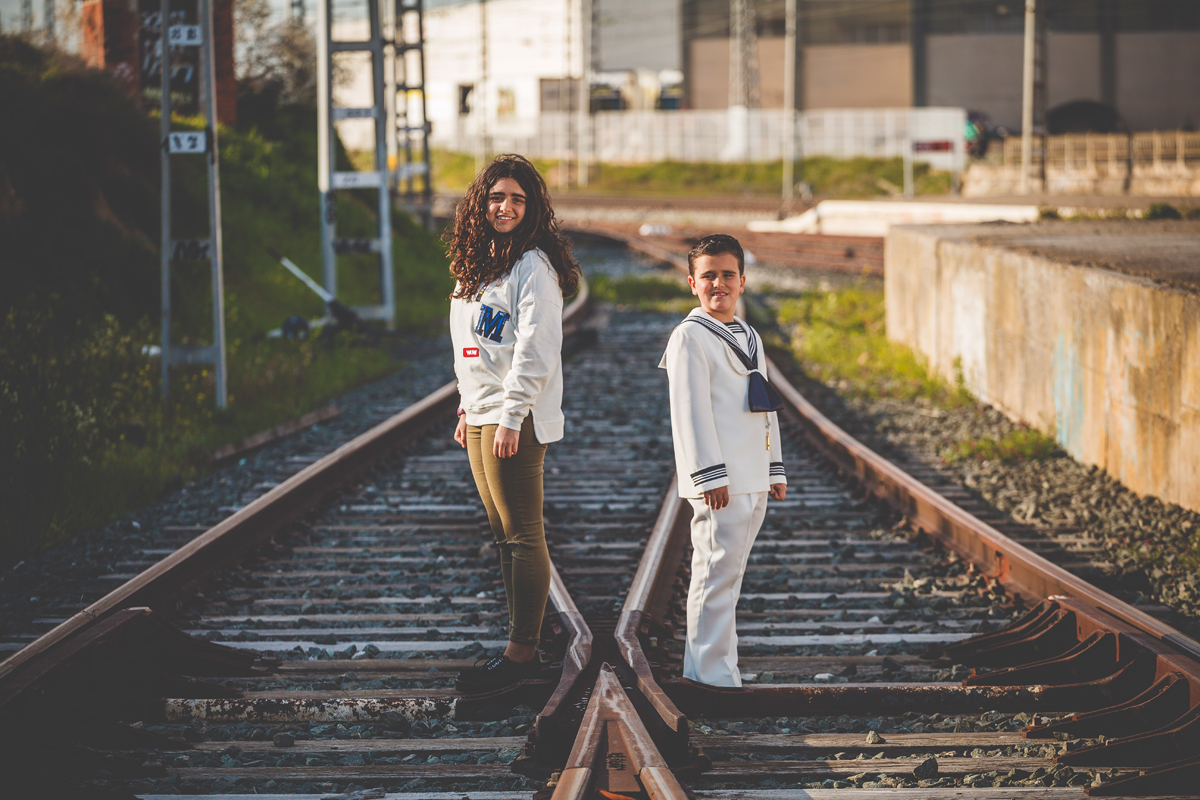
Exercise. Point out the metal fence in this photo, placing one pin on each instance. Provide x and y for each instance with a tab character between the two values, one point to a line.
1110	154
736	134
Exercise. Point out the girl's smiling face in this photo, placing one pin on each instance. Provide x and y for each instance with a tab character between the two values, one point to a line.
505	205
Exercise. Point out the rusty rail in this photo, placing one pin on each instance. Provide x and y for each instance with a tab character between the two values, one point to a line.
613	751
254	523
1007	561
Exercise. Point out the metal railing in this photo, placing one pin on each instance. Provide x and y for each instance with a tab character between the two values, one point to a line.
735	134
1109	154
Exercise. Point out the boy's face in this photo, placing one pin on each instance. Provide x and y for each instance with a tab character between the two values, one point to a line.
717	281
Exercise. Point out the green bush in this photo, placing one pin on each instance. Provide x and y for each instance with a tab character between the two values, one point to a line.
829	177
1162	211
642	293
84	434
840	337
1017	445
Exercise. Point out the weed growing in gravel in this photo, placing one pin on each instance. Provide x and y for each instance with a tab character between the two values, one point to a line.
1016	445
840	336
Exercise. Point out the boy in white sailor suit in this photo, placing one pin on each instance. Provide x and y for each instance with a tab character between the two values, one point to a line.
728	457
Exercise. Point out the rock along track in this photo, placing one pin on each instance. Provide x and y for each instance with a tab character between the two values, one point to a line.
322	663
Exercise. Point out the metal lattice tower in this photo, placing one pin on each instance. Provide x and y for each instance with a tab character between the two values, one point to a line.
298	10
187	143
331	180
26	16
407	119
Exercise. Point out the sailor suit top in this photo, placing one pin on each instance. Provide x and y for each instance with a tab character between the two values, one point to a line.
508	349
719	441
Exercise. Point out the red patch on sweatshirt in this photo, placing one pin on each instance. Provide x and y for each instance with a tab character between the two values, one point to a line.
470	352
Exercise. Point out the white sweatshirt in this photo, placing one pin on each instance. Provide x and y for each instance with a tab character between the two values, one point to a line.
719	441
508	349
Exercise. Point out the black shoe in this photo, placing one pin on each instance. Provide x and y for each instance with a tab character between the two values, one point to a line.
496	673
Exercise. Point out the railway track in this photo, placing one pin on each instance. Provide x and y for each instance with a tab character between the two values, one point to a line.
307	644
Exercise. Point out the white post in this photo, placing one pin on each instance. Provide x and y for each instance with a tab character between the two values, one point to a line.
583	128
480	106
165	265
325	144
1027	93
789	103
908	155
209	81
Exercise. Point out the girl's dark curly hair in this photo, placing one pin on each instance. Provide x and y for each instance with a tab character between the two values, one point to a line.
480	255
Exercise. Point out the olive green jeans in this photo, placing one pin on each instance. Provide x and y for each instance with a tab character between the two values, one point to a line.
511	490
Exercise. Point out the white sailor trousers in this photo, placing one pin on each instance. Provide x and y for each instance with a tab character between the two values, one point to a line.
721	542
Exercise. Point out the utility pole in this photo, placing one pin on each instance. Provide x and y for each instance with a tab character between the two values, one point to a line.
564	162
48	28
737	53
479	107
789	104
583	150
1033	93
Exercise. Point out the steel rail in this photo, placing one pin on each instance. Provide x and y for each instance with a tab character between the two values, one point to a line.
252	524
578	655
646	602
1145	649
1004	559
613	751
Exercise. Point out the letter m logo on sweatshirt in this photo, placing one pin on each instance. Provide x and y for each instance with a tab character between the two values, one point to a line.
491	323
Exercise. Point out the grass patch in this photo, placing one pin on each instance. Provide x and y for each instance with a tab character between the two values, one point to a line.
84	434
840	337
830	177
1017	445
643	293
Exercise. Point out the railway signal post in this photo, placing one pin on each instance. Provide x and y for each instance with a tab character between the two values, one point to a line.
189	143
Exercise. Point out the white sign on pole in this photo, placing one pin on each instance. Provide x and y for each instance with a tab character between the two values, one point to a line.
185	35
189	142
357	180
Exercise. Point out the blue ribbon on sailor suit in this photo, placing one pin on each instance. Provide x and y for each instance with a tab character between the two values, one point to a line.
762	395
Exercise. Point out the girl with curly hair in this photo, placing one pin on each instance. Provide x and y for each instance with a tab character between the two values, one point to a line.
513	267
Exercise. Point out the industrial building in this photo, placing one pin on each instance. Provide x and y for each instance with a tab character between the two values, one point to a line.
510	60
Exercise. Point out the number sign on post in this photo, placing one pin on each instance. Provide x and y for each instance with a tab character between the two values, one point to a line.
185	35
188	142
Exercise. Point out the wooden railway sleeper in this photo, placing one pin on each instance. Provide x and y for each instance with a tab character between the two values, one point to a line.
1093	658
1028	622
1162	700
1052	633
1178	777
1179	739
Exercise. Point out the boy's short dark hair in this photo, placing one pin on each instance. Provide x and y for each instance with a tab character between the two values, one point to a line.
714	245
